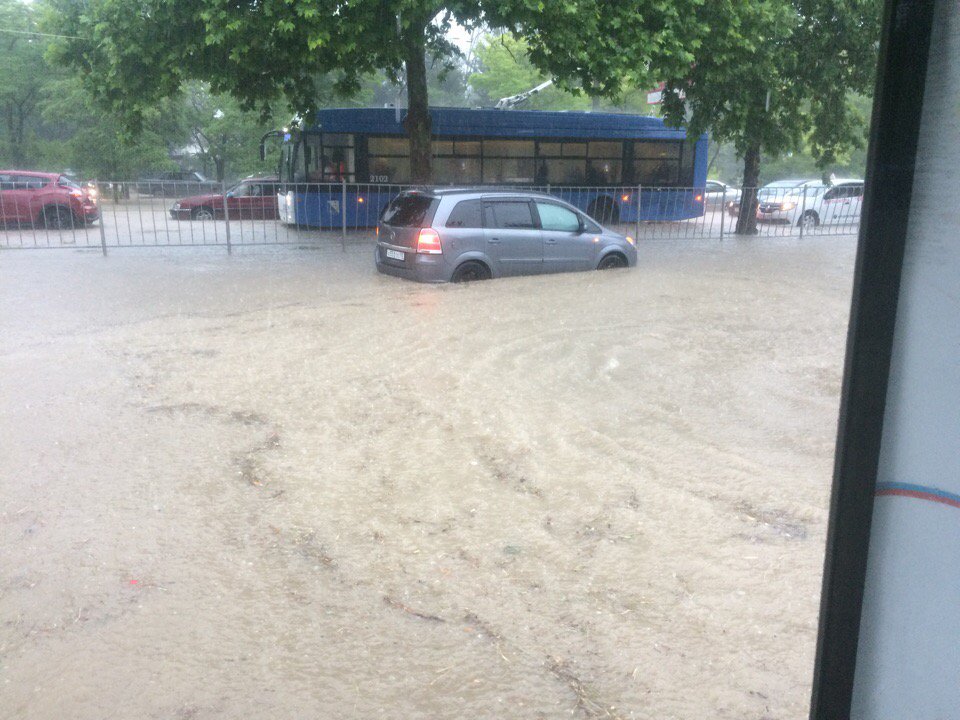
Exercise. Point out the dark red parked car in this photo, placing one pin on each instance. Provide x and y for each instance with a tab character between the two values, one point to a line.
47	200
254	198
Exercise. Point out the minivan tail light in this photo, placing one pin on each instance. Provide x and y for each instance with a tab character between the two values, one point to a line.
428	242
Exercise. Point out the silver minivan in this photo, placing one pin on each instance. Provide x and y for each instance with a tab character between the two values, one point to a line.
458	235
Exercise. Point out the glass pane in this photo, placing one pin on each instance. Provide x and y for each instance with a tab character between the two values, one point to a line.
336	163
388	146
603	172
456	170
466	214
508	170
685	179
337	139
554	217
443	147
652	150
562	172
389	169
655	173
508	148
510	215
468	147
612	150
550	149
574	149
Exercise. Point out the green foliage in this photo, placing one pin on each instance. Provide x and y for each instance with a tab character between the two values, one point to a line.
223	135
776	75
505	69
596	45
22	71
276	53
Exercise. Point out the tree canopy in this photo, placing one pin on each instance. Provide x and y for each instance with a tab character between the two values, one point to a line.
777	76
133	53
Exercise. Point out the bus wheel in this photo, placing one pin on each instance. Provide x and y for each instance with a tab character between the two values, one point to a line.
469	271
604	210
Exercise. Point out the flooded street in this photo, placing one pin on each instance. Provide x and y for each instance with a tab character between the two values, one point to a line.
278	485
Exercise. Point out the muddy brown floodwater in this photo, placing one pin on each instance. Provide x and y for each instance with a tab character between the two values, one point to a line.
278	485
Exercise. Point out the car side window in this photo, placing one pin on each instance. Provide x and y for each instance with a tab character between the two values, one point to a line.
28	182
832	194
509	214
554	217
466	214
713	187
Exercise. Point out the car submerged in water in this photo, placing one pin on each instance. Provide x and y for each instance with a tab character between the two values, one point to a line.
460	235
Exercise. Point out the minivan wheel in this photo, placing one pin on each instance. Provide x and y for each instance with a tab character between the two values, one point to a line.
470	271
809	221
202	213
57	218
612	262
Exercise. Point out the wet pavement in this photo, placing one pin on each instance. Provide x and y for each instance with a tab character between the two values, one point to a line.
279	485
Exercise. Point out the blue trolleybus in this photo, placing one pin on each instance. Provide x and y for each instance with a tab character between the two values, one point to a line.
344	168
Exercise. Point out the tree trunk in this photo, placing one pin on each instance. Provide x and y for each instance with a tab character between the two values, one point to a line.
418	108
747	220
219	163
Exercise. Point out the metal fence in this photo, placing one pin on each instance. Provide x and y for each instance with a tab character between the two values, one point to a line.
112	214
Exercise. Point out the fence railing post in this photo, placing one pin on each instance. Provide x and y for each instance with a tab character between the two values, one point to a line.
103	233
637	230
723	211
803	210
226	215
343	214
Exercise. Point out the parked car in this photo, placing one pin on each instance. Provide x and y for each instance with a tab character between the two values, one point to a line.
774	191
458	235
176	184
250	198
719	195
811	205
48	200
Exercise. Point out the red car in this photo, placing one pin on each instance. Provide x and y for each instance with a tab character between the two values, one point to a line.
251	198
47	200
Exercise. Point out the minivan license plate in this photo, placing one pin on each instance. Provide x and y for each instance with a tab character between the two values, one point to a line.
394	255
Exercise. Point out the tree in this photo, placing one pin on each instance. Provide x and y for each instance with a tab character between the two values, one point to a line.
97	144
23	71
503	68
219	131
775	76
135	52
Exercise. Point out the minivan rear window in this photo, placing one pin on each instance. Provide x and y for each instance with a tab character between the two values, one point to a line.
408	210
